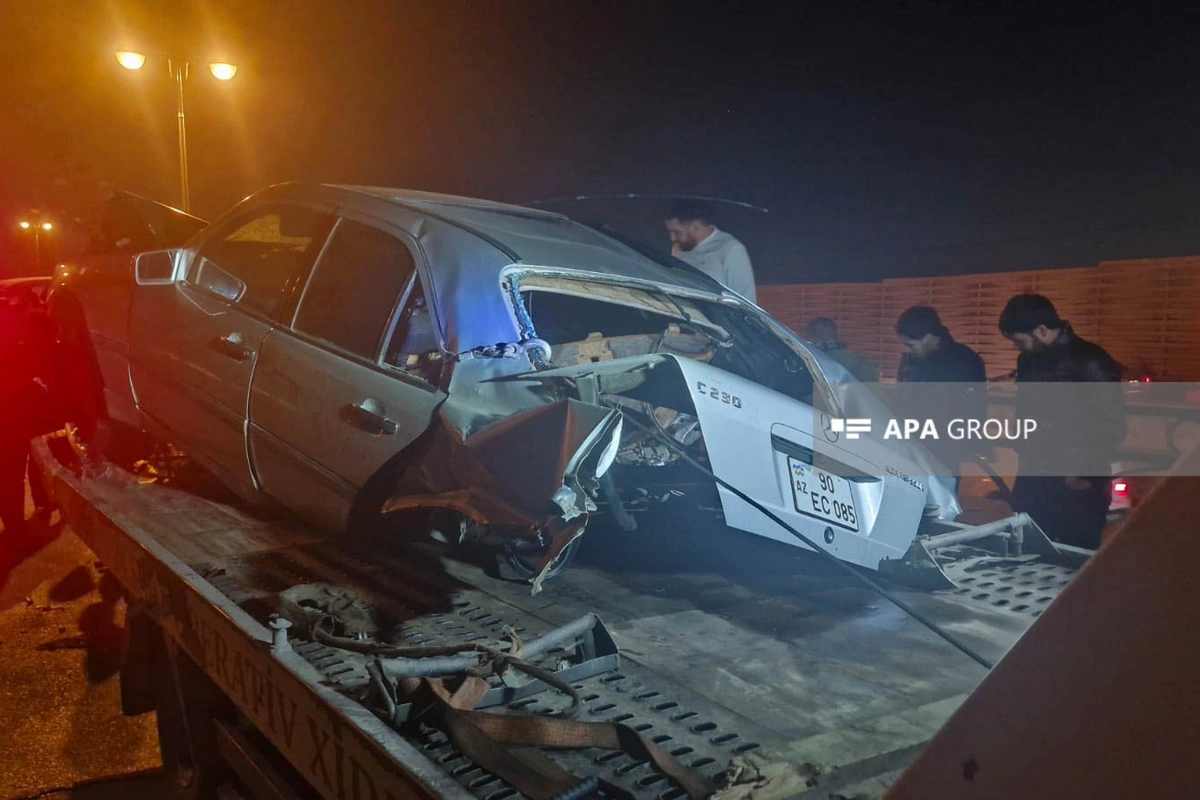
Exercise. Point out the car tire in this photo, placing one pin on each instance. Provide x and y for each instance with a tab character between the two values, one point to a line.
524	555
188	705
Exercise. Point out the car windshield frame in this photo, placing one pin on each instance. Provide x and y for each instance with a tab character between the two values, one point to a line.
513	276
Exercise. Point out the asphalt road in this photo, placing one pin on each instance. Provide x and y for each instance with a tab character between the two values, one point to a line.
61	621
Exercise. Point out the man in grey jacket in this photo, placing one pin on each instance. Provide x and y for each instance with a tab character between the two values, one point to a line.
822	332
696	241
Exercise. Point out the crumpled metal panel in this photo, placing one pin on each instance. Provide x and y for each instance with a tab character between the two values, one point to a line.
308	606
739	440
511	472
463	288
481	393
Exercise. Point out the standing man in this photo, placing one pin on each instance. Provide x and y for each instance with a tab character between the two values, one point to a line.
931	355
25	404
1071	509
822	332
695	240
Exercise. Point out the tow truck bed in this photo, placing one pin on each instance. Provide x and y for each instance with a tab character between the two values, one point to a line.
729	643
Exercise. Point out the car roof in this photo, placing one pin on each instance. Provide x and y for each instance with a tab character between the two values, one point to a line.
544	238
470	246
448	202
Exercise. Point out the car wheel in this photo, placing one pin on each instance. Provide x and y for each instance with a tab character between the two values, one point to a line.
524	555
189	704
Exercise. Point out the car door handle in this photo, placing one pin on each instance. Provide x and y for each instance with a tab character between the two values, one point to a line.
370	415
234	346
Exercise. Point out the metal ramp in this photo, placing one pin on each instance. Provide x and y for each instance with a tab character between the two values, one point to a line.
946	554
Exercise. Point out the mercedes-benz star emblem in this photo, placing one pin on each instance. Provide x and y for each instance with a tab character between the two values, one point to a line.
827	428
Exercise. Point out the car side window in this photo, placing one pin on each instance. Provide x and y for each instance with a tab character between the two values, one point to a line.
256	257
413	345
355	287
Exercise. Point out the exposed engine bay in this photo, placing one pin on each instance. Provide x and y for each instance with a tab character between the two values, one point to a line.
593	323
645	448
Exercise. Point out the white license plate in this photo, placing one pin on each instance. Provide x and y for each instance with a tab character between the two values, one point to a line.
819	494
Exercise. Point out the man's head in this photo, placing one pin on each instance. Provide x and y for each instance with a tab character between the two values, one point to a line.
821	329
688	224
1030	322
920	330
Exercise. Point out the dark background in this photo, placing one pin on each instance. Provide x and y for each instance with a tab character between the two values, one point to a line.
906	139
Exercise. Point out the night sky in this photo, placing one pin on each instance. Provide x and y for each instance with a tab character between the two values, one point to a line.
908	139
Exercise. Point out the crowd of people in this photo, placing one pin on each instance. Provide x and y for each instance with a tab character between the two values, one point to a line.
1071	509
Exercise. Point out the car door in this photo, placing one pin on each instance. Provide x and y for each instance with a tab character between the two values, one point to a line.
334	396
194	343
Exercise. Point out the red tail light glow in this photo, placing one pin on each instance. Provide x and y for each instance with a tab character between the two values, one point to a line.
1120	487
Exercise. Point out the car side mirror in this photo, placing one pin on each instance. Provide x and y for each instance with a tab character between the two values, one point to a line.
156	267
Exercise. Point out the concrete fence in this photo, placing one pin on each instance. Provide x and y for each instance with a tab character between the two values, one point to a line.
1146	313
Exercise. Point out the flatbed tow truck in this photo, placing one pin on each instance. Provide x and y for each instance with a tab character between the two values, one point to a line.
747	662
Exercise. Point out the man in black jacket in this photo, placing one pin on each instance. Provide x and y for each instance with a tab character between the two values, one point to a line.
1070	509
931	355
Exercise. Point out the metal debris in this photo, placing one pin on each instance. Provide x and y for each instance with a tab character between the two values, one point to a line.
756	777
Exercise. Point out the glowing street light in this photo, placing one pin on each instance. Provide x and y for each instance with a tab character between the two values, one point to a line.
131	60
179	69
38	228
222	71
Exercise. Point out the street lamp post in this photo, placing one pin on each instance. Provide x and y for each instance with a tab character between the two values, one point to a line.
38	229
179	70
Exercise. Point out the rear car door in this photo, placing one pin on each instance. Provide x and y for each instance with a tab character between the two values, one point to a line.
338	394
194	343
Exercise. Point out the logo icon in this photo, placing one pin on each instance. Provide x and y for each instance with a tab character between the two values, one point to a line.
851	427
827	428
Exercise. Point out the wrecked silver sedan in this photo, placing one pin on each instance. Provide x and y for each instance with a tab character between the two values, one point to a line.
483	370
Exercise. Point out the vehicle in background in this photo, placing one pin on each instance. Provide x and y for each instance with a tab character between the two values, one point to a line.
1121	504
20	299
